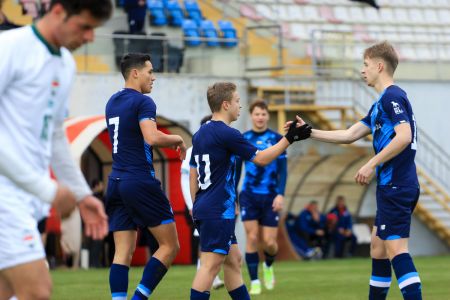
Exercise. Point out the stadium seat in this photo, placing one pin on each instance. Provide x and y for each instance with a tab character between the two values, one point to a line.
175	60
120	45
228	32
155	48
193	11
176	15
30	7
157	15
190	31
208	31
249	12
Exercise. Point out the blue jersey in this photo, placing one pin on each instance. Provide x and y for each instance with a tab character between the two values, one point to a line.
265	180
132	156
215	147
391	109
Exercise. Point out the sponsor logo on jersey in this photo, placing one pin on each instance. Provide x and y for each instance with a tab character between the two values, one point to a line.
397	109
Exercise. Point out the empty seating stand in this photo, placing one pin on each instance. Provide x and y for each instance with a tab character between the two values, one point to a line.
157	14
175	13
208	31
227	32
191	32
193	11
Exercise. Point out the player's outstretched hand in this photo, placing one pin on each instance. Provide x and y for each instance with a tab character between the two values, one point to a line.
95	220
182	150
295	133
64	202
300	122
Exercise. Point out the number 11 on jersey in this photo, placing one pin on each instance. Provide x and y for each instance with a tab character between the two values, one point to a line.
206	170
115	121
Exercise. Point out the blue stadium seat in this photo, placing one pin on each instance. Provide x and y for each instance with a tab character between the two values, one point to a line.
193	11
176	15
228	32
208	31
157	15
190	30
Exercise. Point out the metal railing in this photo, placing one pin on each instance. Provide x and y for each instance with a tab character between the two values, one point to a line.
168	53
343	86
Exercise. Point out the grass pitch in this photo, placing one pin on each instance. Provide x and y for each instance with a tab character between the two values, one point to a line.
317	280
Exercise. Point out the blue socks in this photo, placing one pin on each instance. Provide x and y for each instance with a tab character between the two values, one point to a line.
118	281
252	260
240	293
154	271
196	295
407	277
269	259
380	281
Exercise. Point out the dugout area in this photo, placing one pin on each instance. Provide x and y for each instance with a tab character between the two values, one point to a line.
91	148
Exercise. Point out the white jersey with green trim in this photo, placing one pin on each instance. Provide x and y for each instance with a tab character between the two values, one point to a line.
35	81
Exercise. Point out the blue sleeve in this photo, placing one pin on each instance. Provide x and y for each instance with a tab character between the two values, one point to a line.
238	145
367	119
395	108
304	224
238	171
146	109
282	174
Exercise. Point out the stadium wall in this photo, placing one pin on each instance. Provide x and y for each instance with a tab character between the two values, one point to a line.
179	98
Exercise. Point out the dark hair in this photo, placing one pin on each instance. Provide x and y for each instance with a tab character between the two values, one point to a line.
99	9
258	103
386	52
205	119
219	92
132	61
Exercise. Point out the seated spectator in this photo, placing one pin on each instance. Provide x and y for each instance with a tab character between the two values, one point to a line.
299	244
311	226
5	24
340	225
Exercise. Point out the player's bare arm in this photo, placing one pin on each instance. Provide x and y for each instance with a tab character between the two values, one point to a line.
347	136
193	183
157	138
263	158
401	140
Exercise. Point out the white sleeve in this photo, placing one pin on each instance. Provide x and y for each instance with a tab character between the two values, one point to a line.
64	166
185	188
40	185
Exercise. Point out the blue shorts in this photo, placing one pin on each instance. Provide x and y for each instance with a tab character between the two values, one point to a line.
395	206
133	203
216	235
258	207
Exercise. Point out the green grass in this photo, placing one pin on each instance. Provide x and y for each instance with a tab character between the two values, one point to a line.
318	280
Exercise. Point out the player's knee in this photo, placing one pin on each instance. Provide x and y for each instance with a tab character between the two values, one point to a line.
271	245
252	238
377	251
42	291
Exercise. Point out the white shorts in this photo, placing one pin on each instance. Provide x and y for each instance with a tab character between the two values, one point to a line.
19	237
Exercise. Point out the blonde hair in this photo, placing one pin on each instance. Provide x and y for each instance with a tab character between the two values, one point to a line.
218	93
386	52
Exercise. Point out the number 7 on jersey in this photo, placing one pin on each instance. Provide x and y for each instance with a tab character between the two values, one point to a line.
115	121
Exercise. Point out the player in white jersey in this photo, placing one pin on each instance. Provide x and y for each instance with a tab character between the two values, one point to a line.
185	188
36	71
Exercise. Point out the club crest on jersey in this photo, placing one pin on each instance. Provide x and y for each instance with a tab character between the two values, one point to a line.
397	109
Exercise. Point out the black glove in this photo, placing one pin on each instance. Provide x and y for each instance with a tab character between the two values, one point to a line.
295	134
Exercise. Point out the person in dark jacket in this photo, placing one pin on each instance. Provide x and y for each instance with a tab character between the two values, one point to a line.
340	226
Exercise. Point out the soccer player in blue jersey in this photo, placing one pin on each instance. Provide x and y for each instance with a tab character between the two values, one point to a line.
134	197
262	198
393	126
212	179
